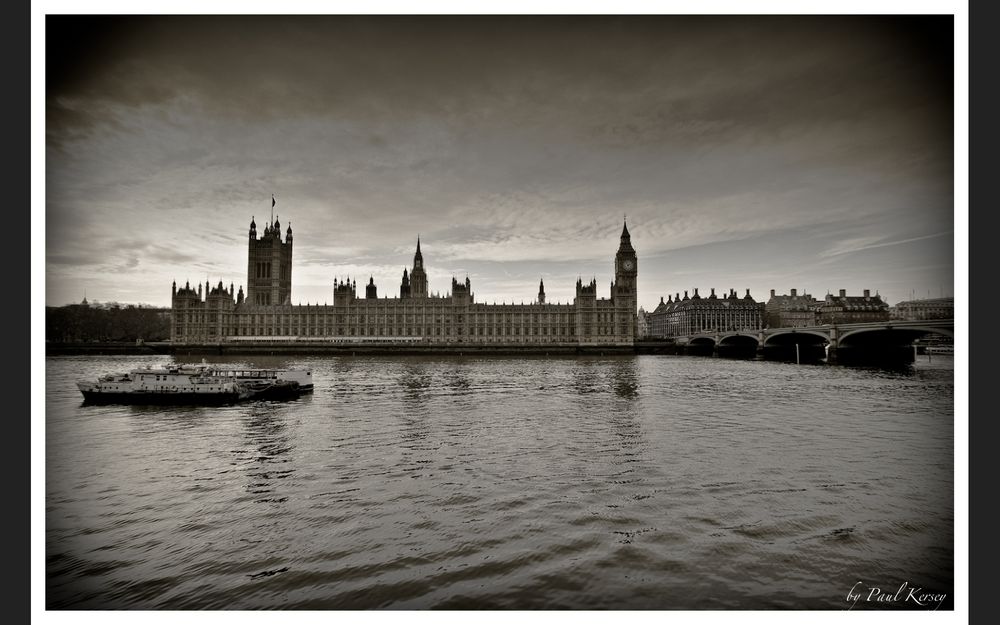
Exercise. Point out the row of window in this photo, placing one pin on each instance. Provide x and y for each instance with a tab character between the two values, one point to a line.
248	323
437	317
692	318
182	330
262	270
431	331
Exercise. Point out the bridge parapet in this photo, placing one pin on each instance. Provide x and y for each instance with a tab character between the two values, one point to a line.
832	333
892	335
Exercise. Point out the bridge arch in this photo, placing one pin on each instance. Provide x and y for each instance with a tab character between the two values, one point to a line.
734	340
811	333
908	333
702	340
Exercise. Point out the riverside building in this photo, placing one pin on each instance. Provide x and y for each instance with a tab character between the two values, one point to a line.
795	310
922	309
218	314
697	314
844	308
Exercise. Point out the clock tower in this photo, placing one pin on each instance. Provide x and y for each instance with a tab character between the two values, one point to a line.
623	292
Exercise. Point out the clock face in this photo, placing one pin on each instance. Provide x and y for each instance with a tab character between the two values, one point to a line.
627	265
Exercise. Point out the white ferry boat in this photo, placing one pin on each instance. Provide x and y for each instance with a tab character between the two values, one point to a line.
302	377
196	384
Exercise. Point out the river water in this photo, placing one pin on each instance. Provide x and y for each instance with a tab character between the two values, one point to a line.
631	482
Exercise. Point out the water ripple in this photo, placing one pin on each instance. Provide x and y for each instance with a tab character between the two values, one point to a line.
479	483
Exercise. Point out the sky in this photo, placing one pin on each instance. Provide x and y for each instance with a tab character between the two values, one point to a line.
760	152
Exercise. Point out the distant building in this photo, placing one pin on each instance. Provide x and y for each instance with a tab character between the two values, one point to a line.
696	314
922	309
658	318
791	311
642	319
265	313
843	308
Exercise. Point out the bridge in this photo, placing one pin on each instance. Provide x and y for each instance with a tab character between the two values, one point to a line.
831	337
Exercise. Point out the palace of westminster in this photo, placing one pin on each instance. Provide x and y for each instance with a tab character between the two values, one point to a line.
265	312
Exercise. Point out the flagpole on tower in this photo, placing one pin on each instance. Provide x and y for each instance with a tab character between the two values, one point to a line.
272	210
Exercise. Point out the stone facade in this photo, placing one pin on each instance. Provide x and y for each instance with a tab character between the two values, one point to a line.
923	309
794	310
220	316
269	265
642	320
844	308
706	315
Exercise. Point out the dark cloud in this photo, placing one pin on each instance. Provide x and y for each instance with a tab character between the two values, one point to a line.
691	72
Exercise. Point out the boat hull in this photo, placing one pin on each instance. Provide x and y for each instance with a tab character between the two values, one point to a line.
170	399
276	391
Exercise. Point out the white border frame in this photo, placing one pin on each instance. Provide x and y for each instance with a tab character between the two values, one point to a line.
959	9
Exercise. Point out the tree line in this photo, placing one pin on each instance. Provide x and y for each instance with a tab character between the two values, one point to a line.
77	323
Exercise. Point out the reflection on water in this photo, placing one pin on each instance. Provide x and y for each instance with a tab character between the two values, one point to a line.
625	378
416	381
470	482
265	458
153	419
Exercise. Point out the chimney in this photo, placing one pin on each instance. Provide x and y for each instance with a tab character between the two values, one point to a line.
868	293
772	292
713	291
794	291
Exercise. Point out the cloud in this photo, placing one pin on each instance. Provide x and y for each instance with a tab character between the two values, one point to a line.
852	246
505	141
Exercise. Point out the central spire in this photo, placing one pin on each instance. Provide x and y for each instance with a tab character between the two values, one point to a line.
418	277
625	247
